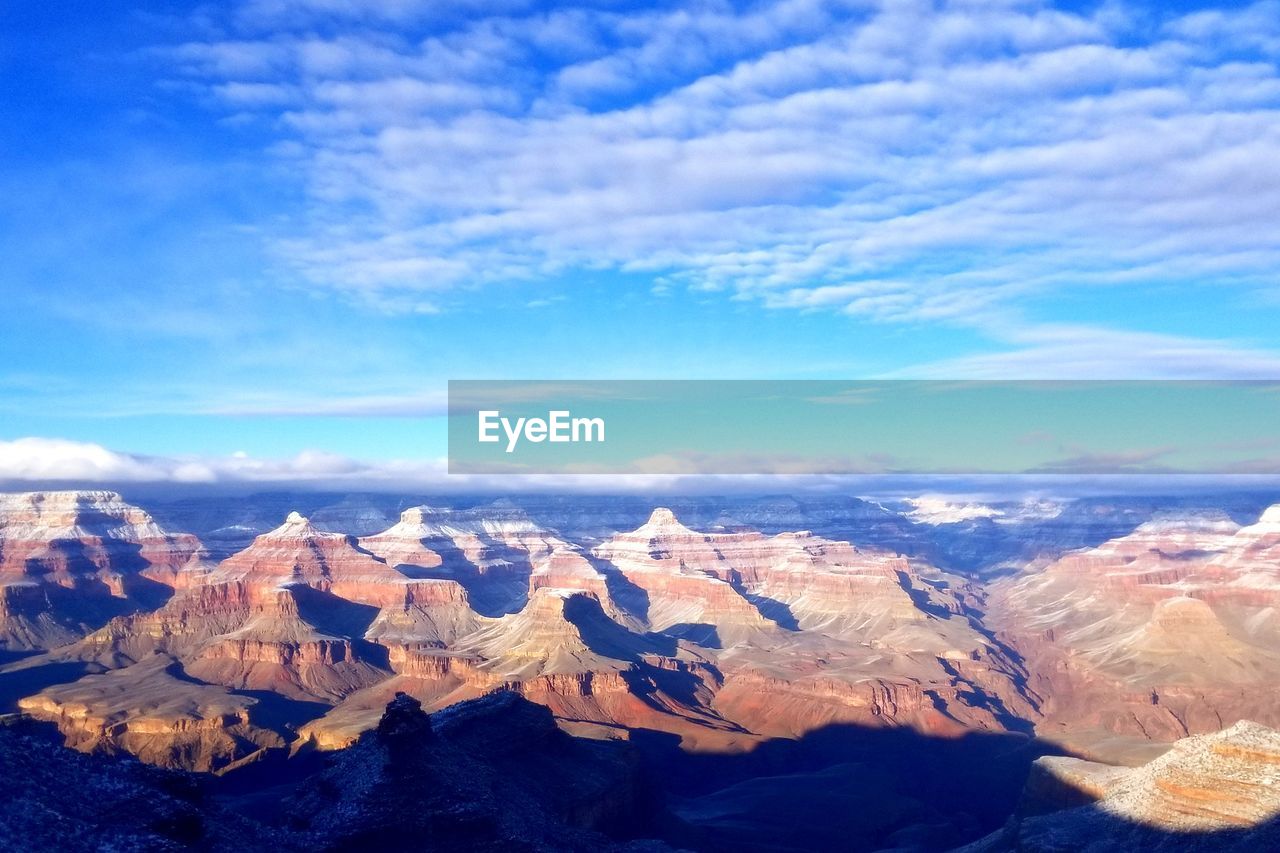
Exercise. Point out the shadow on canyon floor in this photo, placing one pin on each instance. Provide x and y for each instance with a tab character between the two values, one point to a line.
856	788
22	681
843	787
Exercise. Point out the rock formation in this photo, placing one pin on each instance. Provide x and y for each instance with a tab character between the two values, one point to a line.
720	638
297	552
154	711
680	584
69	561
1210	792
493	773
287	614
854	637
563	651
490	550
62	800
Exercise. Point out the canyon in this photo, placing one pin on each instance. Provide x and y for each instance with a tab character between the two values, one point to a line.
1105	638
1168	631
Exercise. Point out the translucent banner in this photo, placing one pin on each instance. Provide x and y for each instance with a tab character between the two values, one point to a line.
863	427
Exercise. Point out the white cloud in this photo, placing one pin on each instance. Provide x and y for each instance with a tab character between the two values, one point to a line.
354	406
1082	352
35	460
936	509
58	459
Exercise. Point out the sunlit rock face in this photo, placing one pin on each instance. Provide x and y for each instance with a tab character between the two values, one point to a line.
485	537
405	542
491	550
796	579
808	632
681	583
1168	631
156	712
289	614
708	640
71	560
297	552
1218	791
561	650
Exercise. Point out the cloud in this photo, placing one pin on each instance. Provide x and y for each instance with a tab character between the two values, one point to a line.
895	161
58	459
34	459
1047	351
34	462
936	510
45	460
354	406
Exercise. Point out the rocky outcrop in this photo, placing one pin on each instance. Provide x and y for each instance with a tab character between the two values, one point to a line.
435	612
720	638
35	616
487	539
155	711
854	637
568	569
68	538
1058	782
558	631
1211	792
797	580
561	651
405	542
492	773
66	801
293	640
729	651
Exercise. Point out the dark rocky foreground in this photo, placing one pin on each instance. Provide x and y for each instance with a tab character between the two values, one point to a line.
60	799
491	774
497	774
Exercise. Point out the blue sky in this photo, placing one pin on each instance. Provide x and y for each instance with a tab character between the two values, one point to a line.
276	227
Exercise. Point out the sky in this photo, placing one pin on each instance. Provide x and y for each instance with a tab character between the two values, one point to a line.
253	239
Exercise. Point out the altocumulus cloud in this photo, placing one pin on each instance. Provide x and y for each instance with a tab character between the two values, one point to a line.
897	161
